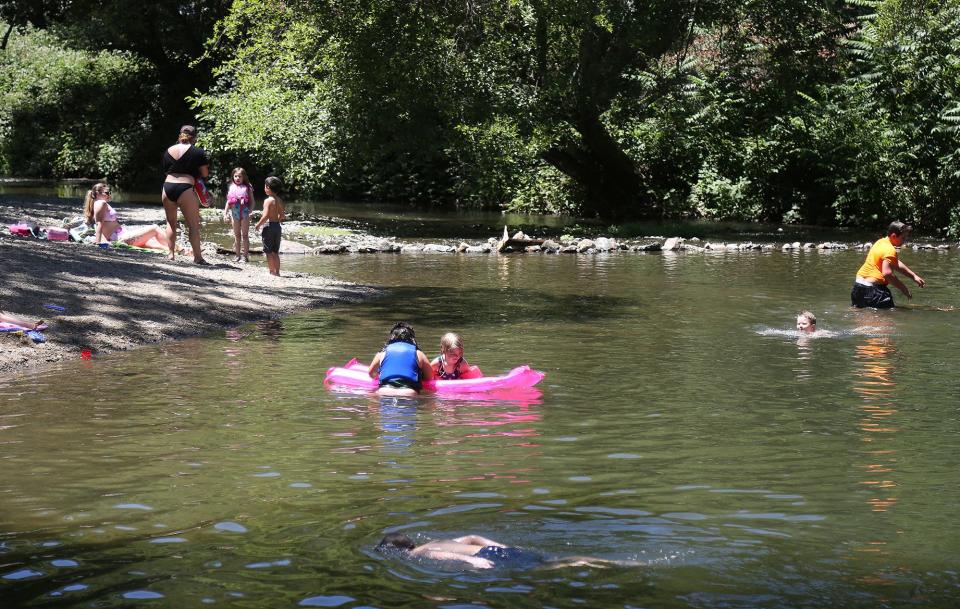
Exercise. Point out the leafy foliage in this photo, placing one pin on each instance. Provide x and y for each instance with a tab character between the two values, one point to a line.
806	111
66	112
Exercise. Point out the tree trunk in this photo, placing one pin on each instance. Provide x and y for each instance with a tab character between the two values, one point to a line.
6	38
609	178
611	181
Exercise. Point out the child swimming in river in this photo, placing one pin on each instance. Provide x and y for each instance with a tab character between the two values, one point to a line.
450	365
484	553
401	366
806	322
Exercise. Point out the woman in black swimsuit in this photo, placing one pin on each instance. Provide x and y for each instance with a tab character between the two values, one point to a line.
184	163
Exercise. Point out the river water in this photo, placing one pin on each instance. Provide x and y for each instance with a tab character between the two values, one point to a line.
682	428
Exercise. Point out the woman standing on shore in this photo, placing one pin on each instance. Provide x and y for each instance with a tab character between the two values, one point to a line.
184	163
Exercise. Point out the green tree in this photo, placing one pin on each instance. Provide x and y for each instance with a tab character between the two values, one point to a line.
166	40
68	112
900	107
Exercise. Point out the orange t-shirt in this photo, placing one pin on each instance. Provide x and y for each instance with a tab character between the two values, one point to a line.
872	267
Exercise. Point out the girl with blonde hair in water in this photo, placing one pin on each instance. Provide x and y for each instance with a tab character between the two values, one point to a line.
450	365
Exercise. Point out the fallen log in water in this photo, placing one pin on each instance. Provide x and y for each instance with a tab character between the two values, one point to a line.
517	242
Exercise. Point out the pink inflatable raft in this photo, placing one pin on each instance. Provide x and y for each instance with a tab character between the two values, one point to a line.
354	375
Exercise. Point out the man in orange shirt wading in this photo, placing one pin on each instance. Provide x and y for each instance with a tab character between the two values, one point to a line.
870	287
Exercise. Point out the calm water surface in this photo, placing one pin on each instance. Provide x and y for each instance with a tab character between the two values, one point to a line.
680	425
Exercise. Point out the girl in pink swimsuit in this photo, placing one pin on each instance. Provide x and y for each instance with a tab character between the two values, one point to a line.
239	204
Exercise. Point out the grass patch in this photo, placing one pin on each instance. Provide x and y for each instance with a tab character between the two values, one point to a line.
320	231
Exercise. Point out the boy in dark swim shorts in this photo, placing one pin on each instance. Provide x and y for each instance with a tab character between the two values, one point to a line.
274	214
877	271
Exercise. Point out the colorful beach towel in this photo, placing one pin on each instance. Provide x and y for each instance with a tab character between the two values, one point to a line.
9	327
34	335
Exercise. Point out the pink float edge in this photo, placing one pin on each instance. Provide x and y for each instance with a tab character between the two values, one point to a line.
354	374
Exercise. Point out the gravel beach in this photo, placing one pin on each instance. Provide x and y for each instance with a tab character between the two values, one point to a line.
118	299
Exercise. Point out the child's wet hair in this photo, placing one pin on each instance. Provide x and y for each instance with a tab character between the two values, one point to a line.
397	542
810	317
402	332
899	228
450	341
275	184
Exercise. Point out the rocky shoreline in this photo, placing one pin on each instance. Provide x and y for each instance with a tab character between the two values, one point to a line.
359	243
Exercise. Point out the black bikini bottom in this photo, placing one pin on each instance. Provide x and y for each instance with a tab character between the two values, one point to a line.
173	190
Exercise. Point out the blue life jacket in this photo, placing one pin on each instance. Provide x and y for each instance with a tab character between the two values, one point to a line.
400	361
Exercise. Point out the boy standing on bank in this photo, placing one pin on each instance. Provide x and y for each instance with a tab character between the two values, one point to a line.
273	215
877	272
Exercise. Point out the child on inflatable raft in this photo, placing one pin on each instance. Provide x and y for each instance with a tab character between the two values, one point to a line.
401	366
450	365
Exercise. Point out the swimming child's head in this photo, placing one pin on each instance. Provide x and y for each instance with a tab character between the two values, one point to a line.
451	343
402	332
274	184
395	542
240	176
806	322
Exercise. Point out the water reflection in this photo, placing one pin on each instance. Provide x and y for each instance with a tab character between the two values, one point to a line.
518	410
671	264
271	329
398	422
804	354
233	353
877	388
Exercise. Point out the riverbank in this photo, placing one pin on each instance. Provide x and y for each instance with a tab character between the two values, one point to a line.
118	299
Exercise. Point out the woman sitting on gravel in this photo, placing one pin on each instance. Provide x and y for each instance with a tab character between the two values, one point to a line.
98	211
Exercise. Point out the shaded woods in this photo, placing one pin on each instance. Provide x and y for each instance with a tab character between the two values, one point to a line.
808	111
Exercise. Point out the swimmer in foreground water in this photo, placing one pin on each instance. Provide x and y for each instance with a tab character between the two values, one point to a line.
482	553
